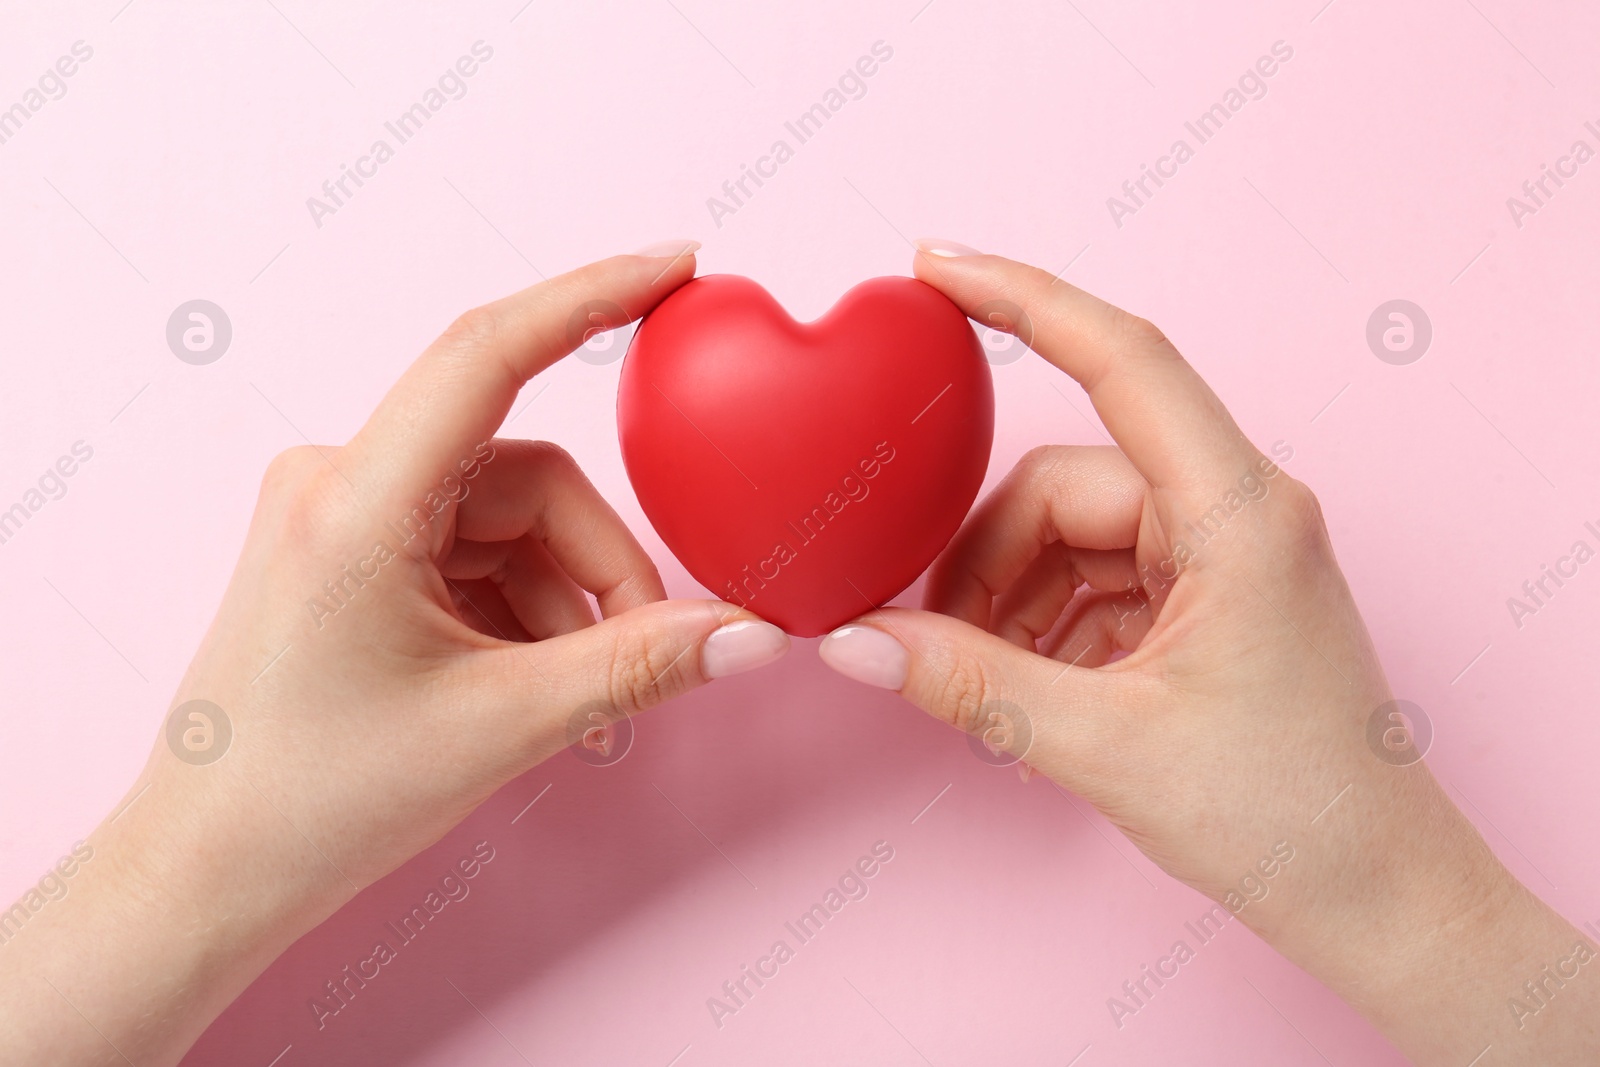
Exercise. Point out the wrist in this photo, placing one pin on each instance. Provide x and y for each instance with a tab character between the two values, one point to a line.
1408	916
176	910
225	869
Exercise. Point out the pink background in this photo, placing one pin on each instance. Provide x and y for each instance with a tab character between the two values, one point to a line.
1376	167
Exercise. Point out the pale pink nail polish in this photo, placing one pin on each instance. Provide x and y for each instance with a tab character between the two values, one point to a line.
681	246
866	655
936	246
741	646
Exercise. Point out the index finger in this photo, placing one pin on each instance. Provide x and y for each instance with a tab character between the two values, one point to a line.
459	391
1157	408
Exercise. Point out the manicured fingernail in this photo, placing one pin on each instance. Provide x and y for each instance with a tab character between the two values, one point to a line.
936	246
681	246
741	646
866	655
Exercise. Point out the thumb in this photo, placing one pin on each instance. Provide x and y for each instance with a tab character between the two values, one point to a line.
639	658
1018	701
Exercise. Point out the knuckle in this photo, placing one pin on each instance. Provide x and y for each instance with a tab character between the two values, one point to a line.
1040	459
1300	514
962	691
637	586
551	457
304	504
310	516
1140	332
643	671
472	330
288	469
1044	468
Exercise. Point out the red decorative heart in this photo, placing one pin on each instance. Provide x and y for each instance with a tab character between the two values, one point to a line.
808	471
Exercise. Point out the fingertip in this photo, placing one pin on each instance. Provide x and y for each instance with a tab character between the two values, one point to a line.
938	267
664	265
868	655
741	645
982	284
945	249
676	248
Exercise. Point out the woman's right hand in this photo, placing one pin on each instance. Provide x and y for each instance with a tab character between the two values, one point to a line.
1239	742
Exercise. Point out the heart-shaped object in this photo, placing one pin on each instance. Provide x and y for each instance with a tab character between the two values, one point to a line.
807	471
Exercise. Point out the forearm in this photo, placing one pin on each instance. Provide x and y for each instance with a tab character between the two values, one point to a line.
154	937
1432	939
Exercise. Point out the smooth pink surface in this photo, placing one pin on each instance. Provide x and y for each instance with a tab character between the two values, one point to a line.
1376	167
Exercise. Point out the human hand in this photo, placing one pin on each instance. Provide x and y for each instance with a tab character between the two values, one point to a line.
1230	743
406	631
